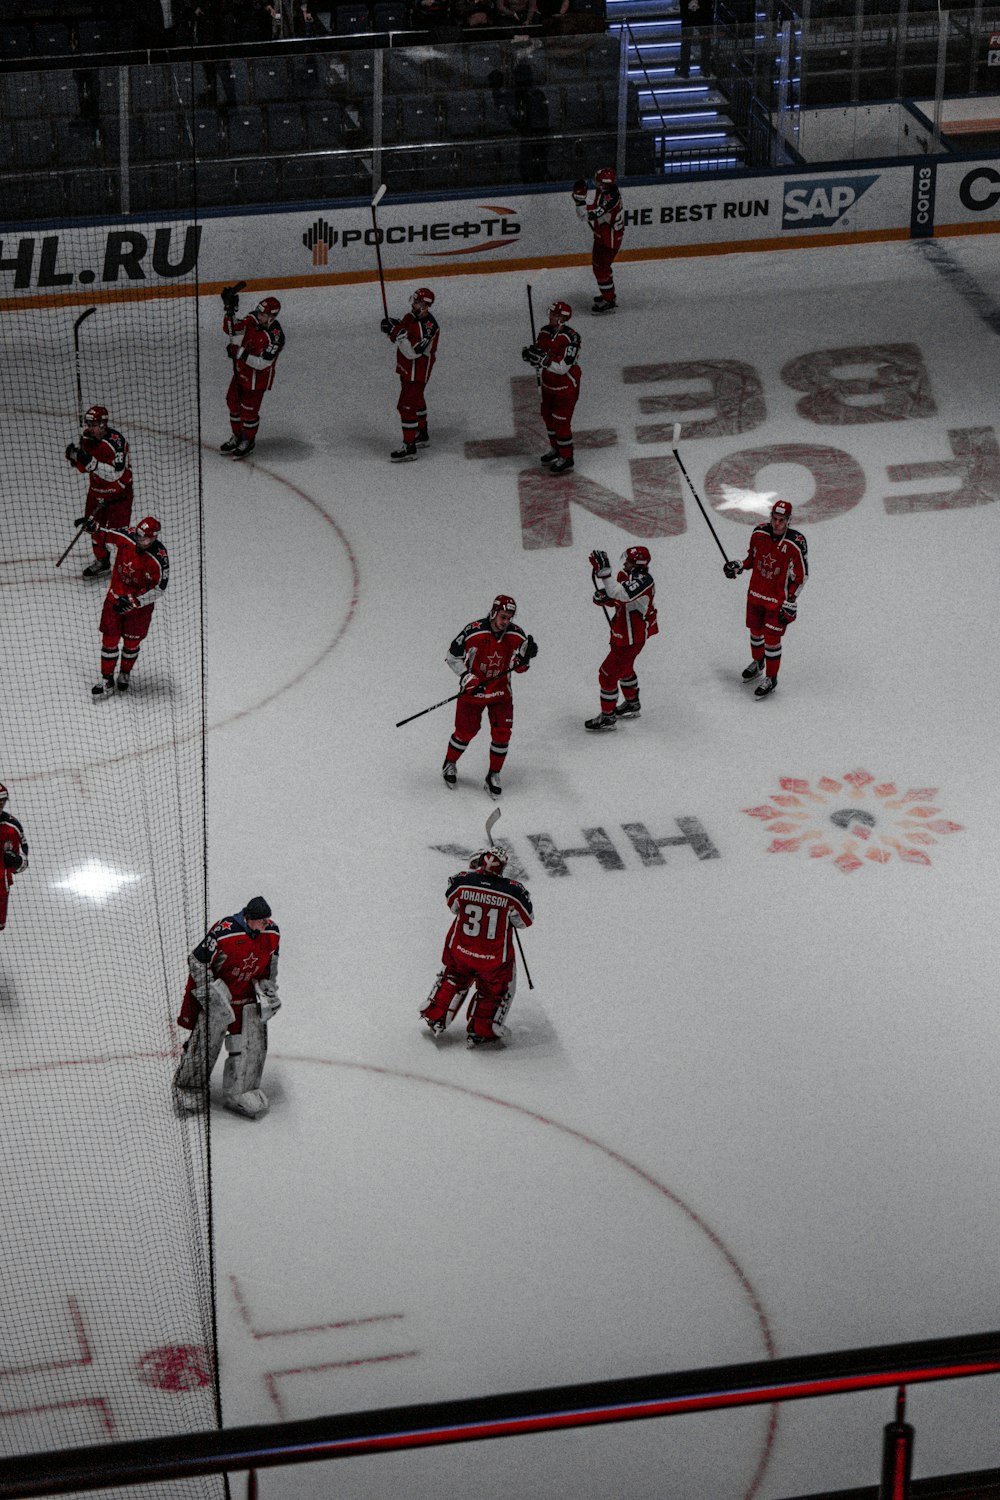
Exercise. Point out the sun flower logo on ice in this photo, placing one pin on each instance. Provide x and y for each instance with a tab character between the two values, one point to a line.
853	820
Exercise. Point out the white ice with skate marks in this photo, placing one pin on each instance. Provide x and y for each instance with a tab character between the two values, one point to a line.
800	1056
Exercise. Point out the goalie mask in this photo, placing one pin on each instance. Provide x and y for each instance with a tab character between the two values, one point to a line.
492	861
636	560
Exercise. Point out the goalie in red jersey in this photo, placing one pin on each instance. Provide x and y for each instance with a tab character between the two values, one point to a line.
555	354
254	344
415	336
231	994
484	655
14	848
606	216
138	578
779	558
102	454
479	949
631	594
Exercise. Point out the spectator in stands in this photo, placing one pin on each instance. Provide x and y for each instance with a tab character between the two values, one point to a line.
210	23
431	15
305	20
516	12
696	22
550	14
531	124
472	14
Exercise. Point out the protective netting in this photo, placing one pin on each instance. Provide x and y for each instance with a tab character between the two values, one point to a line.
106	1311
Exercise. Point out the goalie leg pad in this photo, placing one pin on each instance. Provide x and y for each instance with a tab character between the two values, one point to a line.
201	1054
446	997
489	1008
247	1053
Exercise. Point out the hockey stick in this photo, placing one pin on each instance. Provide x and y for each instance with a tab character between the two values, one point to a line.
531	319
378	255
680	465
593	575
491	823
76	350
486	682
79	532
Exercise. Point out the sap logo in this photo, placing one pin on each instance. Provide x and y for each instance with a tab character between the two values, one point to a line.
820	205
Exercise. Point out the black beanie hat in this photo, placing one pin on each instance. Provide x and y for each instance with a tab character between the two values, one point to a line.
256	908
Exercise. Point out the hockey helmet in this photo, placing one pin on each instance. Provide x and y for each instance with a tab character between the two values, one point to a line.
503	602
423	294
561	310
149	527
606	177
492	861
636	559
268	307
95	416
4	794
781	510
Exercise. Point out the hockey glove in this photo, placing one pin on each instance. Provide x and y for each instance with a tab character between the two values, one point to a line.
600	564
12	860
469	682
529	650
230	301
788	612
421	347
125	603
580	192
532	355
387	325
733	569
72	453
593	218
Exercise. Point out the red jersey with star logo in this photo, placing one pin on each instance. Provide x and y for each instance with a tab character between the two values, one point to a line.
237	955
780	566
142	572
476	649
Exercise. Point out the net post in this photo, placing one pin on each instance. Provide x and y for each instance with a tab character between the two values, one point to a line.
897	1454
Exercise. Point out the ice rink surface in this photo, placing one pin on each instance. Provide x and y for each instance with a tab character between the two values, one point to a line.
749	1107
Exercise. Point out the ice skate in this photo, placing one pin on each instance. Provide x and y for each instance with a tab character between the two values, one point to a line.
103	688
244	448
492	784
561	466
550	457
230	445
449	774
403	455
123	682
629	709
422	438
766	687
472	1041
601	722
600	306
96	568
436	1028
753	670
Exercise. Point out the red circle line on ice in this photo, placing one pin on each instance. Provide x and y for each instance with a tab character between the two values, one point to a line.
854	820
747	1290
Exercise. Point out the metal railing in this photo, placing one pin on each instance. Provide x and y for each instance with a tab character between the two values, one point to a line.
553	1409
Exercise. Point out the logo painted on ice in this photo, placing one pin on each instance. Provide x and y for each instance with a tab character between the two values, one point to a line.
821	203
853	820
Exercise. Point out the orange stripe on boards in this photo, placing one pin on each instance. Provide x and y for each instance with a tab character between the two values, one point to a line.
485	267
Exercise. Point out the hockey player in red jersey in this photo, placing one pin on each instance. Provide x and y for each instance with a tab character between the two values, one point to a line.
415	336
139	576
630	593
605	214
231	994
779	559
102	454
555	354
479	949
484	655
254	344
14	847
